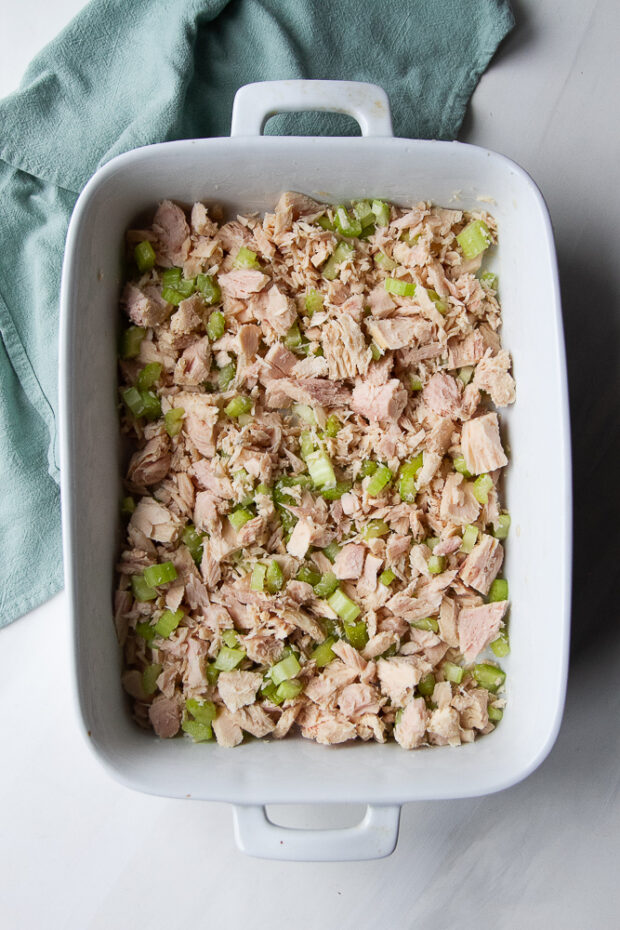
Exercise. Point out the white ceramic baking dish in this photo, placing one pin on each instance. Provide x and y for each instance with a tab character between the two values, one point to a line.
247	172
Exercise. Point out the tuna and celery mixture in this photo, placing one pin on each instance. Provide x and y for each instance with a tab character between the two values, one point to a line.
313	522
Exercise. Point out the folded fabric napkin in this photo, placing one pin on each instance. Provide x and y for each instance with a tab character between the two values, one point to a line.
123	75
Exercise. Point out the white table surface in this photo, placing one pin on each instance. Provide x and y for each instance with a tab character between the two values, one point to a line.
79	851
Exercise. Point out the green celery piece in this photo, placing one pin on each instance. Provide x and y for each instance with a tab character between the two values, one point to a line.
162	573
216	325
193	539
152	405
128	505
470	535
474	238
436	564
131	340
383	261
274	578
149	678
489	676
426	623
144	256
145	630
335	493
498	590
453	673
309	574
246	258
199	732
399	287
482	486
204	711
364	213
332	426
341	253
133	400
346	224
368	468
209	288
406	478
324	654
286	668
326	586
332	550
375	528
341	604
489	279
230	638
495	714
387	577
173	420
415	384
501	646
460	465
502	527
426	686
288	690
305	413
237	406
321	469
168	622
211	673
381	210
172	277
239	517
148	376
257	581
226	376
379	481
141	590
465	374
293	339
375	351
356	634
313	302
228	658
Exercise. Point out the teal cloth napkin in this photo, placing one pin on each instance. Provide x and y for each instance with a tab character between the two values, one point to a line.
122	75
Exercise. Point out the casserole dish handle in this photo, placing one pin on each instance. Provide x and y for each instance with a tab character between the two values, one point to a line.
255	103
374	837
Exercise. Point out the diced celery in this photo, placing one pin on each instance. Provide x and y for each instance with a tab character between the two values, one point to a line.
460	465
489	676
237	406
368	468
495	714
324	654
375	351
128	505
415	384
149	678
375	528
172	296
309	574
193	539
173	420
228	658
346	224
387	577
152	405
399	287
452	672
132	398
341	604
381	210
465	374
498	590
364	213
501	646
426	685
406	478
502	527
470	535
285	669
307	444
257	580
141	590
144	255
204	711
335	493
293	339
426	623
160	574
209	288
313	302
341	253
436	564
431	542
441	303
326	586
356	634
199	732
274	578
172	277
239	516
216	325
211	673
269	692
230	638
482	486
383	261
226	376
325	223
332	550
148	376
489	279
379	480
145	629
305	413
288	690
131	340
474	238
168	622
321	469
332	426
246	258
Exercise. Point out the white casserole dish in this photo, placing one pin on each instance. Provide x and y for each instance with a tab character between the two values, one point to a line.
247	172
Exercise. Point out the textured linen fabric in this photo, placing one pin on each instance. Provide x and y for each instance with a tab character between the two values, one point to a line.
122	75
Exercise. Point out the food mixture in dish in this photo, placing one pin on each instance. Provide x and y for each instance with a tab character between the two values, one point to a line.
313	523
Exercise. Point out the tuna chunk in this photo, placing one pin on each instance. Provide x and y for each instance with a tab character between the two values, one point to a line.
278	363
482	564
145	309
255	720
172	231
243	282
345	348
249	338
226	728
411	726
156	521
443	727
466	350
349	655
472	707
151	464
276	309
448	614
458	503
398	676
199	422
379	402
349	562
205	515
479	626
482	446
312	391
440	437
395	333
212	479
292	205
237	689
325	727
314	366
492	376
304	532
202	225
337	675
380	302
194	365
165	716
368	581
358	699
187	318
442	395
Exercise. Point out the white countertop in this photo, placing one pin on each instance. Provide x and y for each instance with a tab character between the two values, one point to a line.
79	851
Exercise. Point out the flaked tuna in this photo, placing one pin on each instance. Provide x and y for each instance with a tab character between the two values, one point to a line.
481	566
379	403
479	626
482	446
